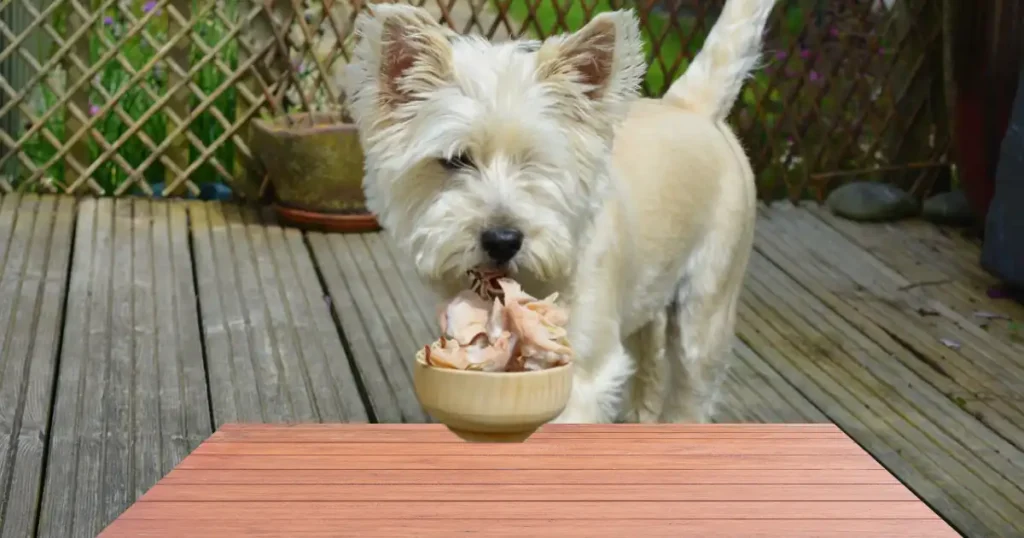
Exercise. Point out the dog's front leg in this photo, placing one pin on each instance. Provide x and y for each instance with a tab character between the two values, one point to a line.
597	391
602	367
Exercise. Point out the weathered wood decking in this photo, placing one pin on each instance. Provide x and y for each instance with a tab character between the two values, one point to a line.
130	330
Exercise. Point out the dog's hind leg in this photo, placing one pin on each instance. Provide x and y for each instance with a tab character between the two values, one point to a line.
699	331
647	394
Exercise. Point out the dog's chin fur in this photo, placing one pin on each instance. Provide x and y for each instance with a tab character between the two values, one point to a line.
462	136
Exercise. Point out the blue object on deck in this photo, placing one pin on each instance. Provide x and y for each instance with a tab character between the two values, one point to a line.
1002	253
214	191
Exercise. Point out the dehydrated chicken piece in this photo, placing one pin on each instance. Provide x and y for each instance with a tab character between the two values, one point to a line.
536	331
465	318
446	354
513	332
484	282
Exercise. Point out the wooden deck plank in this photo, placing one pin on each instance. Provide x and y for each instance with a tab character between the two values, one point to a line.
591	512
179	341
116	472
531	477
233	389
977	376
714	508
763	395
544	529
272	348
832	398
486	461
395	320
554	492
28	353
789	404
416	304
425	298
931	427
816	278
117	427
556	446
19	216
383	403
893	408
58	501
331	377
280	391
928	259
1001	352
311	432
280	323
384	364
146	458
840	322
916	399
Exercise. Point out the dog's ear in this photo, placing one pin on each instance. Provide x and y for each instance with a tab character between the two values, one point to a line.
606	57
402	51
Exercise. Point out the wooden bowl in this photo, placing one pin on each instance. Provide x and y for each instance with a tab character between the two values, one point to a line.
495	407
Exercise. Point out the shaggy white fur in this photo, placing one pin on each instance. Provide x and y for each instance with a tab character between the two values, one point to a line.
639	212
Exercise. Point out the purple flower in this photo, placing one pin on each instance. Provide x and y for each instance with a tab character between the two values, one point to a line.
149	6
833	31
805	54
93	110
108	20
998	292
814	76
781	55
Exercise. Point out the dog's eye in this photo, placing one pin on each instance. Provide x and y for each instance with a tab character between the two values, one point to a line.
456	162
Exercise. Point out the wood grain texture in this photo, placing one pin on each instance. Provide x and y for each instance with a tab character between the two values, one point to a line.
570	501
273	352
376	333
131	396
884	329
532	476
845	332
35	246
608	528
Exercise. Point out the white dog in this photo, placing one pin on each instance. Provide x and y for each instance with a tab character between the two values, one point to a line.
539	158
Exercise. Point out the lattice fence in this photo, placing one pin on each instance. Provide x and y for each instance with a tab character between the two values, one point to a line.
131	97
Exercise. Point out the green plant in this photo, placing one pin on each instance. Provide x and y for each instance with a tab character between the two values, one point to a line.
817	102
137	100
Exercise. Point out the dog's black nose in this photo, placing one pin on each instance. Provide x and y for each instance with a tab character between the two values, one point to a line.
501	244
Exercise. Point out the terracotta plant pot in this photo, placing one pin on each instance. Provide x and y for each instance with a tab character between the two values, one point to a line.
315	167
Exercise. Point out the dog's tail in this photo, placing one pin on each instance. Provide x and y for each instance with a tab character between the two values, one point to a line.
712	82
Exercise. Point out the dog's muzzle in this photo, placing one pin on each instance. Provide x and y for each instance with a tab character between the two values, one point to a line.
501	244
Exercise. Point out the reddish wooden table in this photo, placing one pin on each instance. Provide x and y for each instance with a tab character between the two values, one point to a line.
566	481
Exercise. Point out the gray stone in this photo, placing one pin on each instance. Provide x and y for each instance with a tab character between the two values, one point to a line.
869	201
950	208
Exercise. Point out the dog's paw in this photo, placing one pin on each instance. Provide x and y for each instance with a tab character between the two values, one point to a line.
641	415
579	412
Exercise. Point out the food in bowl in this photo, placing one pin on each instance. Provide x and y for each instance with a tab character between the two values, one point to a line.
495	326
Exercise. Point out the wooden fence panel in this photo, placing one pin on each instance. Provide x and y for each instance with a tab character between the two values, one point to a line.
154	97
